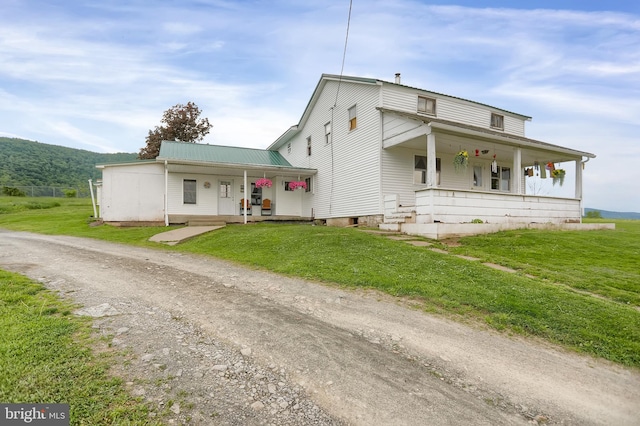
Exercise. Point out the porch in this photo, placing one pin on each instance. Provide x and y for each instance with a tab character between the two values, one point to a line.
205	220
447	213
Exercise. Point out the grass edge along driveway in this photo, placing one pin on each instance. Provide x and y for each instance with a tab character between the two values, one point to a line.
46	357
439	283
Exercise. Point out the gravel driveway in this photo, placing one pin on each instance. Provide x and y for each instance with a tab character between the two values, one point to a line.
209	342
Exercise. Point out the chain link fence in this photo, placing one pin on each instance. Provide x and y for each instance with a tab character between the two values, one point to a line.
46	191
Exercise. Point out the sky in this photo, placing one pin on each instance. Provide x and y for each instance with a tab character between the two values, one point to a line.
98	75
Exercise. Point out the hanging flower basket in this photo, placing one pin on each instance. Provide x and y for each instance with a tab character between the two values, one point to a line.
263	183
461	161
558	176
297	184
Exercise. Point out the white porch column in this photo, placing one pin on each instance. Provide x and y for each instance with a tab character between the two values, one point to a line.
517	171
166	193
579	179
578	190
244	203
432	181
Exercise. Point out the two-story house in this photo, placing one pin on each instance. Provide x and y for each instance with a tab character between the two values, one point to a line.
384	153
369	152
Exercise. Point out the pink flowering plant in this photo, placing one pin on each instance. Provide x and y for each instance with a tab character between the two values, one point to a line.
297	184
263	183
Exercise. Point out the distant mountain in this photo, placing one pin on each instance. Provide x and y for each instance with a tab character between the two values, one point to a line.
614	215
29	163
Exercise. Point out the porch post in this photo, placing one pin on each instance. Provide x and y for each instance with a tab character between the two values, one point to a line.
166	193
432	181
244	206
517	170
578	179
579	165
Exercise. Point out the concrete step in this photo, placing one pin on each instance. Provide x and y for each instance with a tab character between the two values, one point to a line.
397	215
205	222
388	219
395	227
406	209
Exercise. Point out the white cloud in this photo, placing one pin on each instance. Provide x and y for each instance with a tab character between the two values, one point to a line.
100	75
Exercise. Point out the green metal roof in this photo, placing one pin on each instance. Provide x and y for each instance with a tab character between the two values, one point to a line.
193	152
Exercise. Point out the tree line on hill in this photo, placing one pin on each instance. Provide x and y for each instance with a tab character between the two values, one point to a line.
26	165
30	163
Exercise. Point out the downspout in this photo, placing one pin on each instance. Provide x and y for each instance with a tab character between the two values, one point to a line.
166	197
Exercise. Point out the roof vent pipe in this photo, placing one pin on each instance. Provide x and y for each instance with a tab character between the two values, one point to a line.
397	78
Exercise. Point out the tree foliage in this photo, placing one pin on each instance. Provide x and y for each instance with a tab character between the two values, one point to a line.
180	123
593	214
29	163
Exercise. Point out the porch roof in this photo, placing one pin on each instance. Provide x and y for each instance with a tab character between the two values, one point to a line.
225	156
493	135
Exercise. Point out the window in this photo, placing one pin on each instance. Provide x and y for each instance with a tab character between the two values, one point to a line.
501	179
225	189
497	121
256	195
426	105
289	148
352	118
309	146
308	182
286	186
420	170
327	133
477	176
189	191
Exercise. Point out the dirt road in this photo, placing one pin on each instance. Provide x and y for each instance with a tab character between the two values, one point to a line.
230	345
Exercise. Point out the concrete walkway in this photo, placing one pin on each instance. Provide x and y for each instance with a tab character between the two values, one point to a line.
176	236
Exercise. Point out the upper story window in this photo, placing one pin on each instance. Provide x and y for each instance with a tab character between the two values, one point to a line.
352	118
327	133
189	190
497	121
426	105
289	148
309	146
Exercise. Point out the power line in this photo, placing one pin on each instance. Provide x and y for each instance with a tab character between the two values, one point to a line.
344	53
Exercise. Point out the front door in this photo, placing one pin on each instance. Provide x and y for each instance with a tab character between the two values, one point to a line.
226	206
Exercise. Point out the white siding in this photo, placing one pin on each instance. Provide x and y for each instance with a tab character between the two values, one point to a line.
398	166
132	193
447	108
206	198
348	179
289	203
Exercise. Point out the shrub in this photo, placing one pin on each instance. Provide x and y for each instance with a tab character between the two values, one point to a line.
13	192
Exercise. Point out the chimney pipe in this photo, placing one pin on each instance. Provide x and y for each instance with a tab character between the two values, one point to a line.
397	78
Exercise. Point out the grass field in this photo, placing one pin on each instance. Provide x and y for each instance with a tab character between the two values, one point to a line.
584	293
46	357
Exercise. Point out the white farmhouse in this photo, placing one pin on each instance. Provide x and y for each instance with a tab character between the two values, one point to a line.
366	152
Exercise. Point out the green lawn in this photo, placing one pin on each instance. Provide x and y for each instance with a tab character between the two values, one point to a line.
606	263
558	304
46	357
